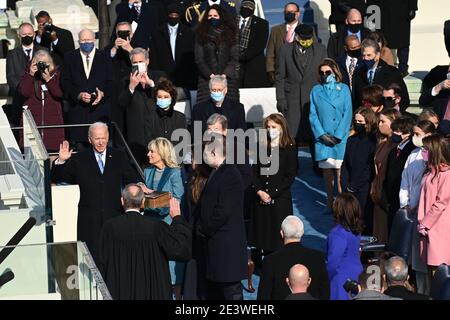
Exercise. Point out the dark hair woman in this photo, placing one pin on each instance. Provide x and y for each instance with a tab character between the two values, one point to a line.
217	52
343	258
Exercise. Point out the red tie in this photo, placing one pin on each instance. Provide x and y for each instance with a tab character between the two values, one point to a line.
398	152
290	31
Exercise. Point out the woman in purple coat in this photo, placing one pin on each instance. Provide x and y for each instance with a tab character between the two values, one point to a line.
40	87
343	256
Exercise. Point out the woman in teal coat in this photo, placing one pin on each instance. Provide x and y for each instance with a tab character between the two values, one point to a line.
330	117
165	175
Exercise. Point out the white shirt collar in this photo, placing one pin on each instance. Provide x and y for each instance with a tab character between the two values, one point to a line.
175	27
403	144
292	26
24	48
213	2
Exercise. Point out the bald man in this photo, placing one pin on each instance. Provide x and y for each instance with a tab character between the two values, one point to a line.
354	26
298	282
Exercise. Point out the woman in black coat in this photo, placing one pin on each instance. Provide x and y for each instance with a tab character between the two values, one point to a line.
274	200
217	52
358	167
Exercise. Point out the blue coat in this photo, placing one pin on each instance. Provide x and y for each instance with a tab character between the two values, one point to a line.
331	112
343	260
171	181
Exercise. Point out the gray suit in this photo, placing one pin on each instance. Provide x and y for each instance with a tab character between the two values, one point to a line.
295	77
373	295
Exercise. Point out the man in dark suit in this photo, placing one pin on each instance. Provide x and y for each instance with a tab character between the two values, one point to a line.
87	82
276	266
340	9
136	100
172	50
376	71
299	282
222	224
57	40
219	103
195	12
142	18
253	34
350	62
396	276
16	63
354	26
279	35
100	172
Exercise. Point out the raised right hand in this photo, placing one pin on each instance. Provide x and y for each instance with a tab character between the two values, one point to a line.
64	151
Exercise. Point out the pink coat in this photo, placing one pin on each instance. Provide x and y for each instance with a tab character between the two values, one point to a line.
434	214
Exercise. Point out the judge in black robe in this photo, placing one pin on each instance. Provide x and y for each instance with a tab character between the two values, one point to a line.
135	250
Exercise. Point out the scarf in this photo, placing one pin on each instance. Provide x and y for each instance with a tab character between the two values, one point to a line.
244	35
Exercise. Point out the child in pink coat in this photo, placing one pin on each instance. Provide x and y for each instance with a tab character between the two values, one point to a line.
434	205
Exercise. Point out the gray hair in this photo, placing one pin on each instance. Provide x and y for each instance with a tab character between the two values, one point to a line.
396	269
97	125
24	24
132	196
292	228
221	119
123	23
218	79
43	53
137	51
369	43
86	30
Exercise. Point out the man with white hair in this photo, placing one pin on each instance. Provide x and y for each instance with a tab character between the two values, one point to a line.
87	80
100	173
276	266
219	103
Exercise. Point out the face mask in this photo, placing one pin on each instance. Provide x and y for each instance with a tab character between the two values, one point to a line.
369	63
274	133
163	103
27	40
123	34
327	79
306	43
389	103
217	96
173	21
354	53
396	138
214	22
417	141
359	128
87	47
289	17
246	12
354	28
425	155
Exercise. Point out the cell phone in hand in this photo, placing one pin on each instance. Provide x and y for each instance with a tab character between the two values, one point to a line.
134	68
93	97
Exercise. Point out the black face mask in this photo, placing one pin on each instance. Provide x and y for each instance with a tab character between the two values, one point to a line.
359	128
354	53
389	103
123	34
246	12
173	21
354	28
289	17
396	138
27	40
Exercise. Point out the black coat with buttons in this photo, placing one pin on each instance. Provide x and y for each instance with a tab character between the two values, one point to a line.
266	220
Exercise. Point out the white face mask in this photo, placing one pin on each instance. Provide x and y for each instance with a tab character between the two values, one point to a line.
274	133
417	141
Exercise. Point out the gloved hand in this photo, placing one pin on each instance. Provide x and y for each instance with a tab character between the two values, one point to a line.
336	140
412	14
327	140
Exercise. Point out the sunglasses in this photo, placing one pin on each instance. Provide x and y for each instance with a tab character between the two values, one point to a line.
325	73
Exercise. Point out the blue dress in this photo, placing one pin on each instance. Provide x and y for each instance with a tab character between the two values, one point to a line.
343	260
170	181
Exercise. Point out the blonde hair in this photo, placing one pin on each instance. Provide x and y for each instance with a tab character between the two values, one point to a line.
165	149
47	58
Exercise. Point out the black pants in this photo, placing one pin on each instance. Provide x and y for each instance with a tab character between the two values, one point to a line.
403	58
224	291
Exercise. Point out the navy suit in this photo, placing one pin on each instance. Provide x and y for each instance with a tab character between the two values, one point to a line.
74	81
147	22
342	63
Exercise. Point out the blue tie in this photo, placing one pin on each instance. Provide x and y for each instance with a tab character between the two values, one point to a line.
101	165
371	72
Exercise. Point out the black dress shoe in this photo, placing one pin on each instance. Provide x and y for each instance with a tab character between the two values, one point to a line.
404	74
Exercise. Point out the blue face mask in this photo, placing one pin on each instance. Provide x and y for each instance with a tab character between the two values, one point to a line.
369	63
217	96
163	103
87	47
214	22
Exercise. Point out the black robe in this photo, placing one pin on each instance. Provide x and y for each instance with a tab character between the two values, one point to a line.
134	254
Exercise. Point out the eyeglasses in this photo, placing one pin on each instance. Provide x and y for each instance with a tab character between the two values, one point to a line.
325	73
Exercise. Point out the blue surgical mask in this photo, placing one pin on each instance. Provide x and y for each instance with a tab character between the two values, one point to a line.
163	103
370	63
214	22
217	96
87	47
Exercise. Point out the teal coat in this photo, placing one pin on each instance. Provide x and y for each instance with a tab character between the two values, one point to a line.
331	113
